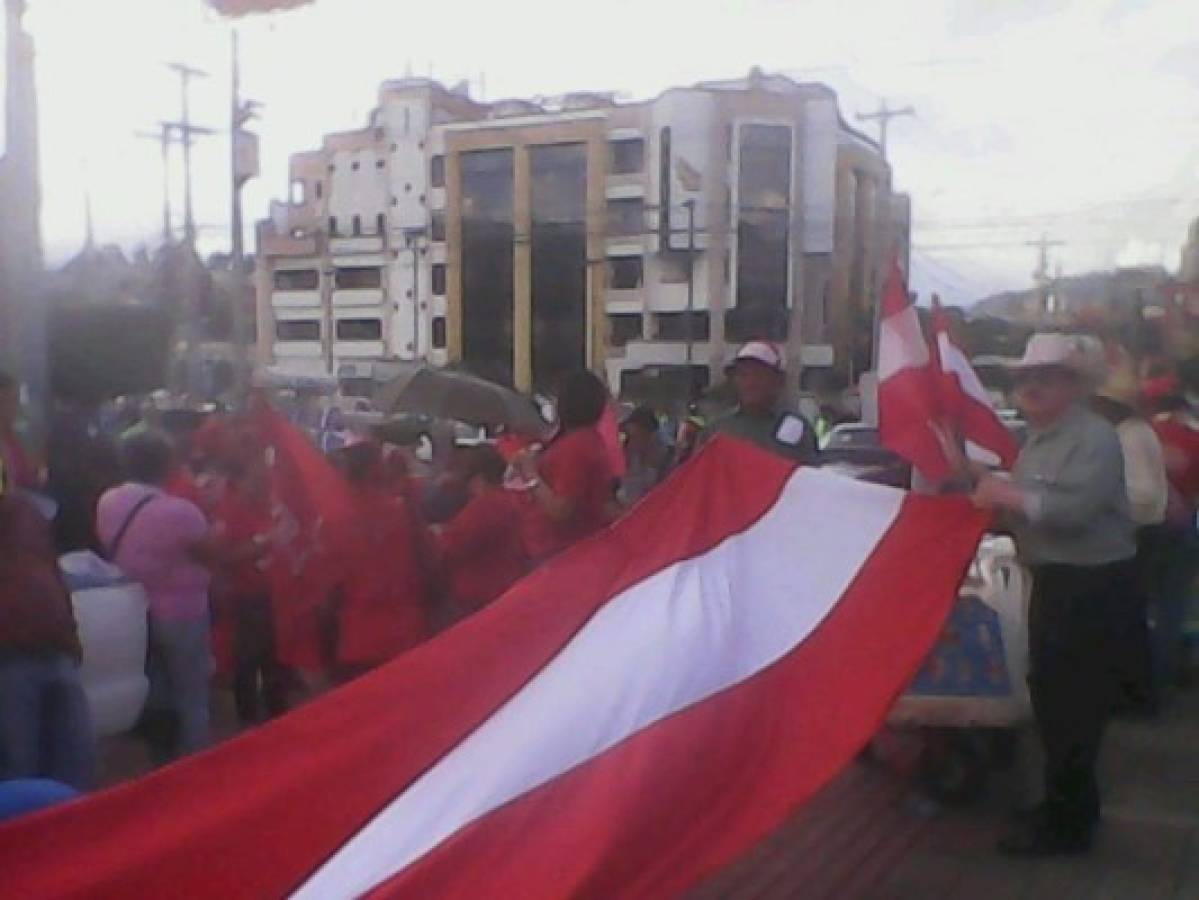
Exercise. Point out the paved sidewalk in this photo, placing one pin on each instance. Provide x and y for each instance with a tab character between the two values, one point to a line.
867	836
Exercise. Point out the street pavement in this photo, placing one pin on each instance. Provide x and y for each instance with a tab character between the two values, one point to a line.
869	835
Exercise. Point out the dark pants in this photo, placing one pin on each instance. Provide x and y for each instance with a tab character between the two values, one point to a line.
1135	690
45	724
258	679
1075	619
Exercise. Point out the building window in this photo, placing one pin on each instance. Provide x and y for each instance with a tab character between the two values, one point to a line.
682	326
320	189
626	217
359	330
380	223
437	171
756	323
358	278
298	330
297	193
624	327
332	226
764	173
438	226
626	157
438	279
672	268
354	166
439	332
379	164
357	226
625	273
763	224
297	280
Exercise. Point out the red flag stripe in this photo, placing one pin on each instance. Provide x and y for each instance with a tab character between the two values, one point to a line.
679	637
679	799
255	817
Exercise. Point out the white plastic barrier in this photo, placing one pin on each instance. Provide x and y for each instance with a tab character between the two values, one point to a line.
111	617
981	678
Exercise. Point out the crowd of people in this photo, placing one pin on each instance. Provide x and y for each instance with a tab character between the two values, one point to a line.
1102	503
192	516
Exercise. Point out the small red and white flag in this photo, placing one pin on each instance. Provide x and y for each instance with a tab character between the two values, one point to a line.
964	401
624	722
908	409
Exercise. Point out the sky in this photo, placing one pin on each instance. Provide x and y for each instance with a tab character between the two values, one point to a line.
1078	119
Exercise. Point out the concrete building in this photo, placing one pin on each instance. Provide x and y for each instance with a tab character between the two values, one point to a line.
643	240
1188	272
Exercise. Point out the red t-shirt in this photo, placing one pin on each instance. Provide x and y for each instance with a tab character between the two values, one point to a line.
1180	447
574	466
241	521
17	463
383	584
482	551
181	484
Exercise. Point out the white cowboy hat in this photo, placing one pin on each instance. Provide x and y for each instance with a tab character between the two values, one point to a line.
1075	352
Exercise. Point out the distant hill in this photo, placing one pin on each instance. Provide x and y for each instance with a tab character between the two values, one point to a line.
1108	292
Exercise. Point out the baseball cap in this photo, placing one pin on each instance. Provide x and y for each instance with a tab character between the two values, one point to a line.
762	352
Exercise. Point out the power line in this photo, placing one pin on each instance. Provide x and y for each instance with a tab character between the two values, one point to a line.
883	115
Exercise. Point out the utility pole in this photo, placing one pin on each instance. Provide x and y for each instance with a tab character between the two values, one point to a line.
243	164
1040	276
689	205
188	262
186	133
89	225
883	115
163	137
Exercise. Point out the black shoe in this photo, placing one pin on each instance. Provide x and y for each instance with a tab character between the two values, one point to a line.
1040	841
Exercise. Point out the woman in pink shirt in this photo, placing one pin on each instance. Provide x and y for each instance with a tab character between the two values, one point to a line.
163	542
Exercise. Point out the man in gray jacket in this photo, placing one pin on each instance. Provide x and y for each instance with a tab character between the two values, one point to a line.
1068	506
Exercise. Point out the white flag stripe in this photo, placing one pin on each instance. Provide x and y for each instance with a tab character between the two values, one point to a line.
901	344
954	361
664	644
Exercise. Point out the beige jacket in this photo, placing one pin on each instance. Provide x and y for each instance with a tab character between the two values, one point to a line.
1144	471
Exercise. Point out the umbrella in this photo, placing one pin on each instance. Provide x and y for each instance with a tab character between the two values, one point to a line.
444	394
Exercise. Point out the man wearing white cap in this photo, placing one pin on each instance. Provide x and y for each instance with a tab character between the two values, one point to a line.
758	375
1068	507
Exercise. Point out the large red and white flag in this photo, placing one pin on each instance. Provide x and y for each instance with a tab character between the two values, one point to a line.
964	401
622	723
908	411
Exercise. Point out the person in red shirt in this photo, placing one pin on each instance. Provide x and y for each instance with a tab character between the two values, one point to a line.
570	487
22	471
383	590
45	729
1178	431
481	549
244	621
1177	553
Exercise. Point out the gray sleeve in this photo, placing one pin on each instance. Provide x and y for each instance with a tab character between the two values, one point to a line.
1093	479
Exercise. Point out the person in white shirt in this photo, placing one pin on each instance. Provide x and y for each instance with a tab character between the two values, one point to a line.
1148	494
